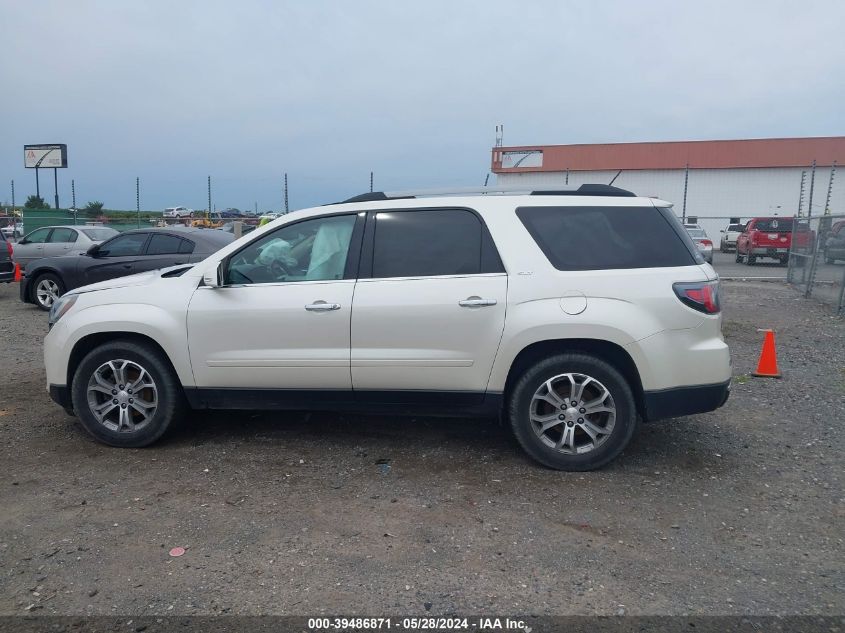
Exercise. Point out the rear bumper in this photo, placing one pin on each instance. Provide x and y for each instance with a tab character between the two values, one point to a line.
60	394
679	401
769	251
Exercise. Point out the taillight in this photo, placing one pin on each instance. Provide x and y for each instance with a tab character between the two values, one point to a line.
706	243
9	248
754	238
702	296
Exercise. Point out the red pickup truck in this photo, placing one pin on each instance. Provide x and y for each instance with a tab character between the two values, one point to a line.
772	237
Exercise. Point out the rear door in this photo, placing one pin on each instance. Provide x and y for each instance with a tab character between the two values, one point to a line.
429	308
163	250
60	242
116	257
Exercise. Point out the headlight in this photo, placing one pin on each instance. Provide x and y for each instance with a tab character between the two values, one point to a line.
61	307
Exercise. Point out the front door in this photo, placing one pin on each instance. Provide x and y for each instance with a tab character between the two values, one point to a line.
426	324
115	258
280	322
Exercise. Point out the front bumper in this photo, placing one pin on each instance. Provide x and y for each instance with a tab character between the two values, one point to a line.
679	401
60	394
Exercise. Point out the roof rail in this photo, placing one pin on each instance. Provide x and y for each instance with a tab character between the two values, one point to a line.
568	190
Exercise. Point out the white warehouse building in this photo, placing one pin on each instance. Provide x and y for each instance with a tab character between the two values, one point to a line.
721	179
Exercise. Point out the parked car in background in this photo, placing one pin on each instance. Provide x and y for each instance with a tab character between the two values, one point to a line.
7	266
490	305
54	241
11	229
703	243
178	212
140	250
229	227
231	213
771	237
834	247
729	236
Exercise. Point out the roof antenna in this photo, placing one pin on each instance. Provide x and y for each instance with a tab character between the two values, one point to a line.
615	177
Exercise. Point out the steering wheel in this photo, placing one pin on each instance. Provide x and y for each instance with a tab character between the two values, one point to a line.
278	269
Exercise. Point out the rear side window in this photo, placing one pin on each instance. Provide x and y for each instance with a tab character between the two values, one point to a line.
595	238
432	242
774	225
187	246
63	235
163	244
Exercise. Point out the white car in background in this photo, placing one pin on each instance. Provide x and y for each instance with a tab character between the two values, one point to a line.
12	231
178	212
462	305
729	236
702	242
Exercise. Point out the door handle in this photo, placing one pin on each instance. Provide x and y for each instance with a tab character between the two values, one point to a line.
476	302
127	266
322	306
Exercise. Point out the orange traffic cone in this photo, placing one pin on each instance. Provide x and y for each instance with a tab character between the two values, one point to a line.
17	272
767	366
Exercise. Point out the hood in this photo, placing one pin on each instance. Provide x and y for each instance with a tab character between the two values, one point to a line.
140	279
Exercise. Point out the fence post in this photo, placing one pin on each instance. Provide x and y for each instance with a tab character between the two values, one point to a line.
686	182
138	199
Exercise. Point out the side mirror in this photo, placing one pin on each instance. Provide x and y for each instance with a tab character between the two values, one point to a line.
213	277
93	250
722	231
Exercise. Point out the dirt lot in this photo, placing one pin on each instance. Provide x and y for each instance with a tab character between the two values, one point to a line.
737	511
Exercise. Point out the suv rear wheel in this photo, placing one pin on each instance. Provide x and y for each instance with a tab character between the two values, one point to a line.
572	411
126	394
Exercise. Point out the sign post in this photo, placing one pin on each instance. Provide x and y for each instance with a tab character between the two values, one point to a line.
46	155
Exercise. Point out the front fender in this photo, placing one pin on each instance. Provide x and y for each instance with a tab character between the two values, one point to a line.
164	326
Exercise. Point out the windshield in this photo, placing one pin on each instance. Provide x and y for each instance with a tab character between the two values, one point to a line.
696	232
779	225
736	227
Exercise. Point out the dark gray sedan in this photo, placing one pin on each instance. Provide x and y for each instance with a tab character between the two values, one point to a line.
126	254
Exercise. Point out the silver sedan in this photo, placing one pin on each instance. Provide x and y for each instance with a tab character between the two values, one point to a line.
53	241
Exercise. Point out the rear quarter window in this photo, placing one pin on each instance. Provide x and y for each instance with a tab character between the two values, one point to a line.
596	238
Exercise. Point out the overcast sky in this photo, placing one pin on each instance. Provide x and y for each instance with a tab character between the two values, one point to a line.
245	91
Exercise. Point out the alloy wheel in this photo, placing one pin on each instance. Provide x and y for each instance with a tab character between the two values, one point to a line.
122	395
572	413
47	291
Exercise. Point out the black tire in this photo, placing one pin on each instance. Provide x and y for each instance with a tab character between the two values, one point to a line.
45	277
171	398
738	258
784	261
750	260
828	259
519	403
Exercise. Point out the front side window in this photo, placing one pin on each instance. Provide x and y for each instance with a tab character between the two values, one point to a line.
312	250
431	242
123	246
37	237
63	235
596	238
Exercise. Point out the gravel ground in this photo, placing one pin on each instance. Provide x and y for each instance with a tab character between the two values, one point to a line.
739	511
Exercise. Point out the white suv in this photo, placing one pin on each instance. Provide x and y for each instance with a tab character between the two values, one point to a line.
573	313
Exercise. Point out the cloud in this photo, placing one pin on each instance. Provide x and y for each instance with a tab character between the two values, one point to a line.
327	91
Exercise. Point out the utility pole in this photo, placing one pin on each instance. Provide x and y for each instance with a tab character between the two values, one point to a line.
371	182
801	192
686	183
13	196
829	188
138	199
287	209
812	183
208	211
73	194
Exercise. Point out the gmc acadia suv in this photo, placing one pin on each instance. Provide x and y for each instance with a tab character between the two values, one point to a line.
574	313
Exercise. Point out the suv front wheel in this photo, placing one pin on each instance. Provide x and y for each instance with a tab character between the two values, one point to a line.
573	412
126	394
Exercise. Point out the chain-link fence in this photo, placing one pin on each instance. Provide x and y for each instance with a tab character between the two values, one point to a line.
817	259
